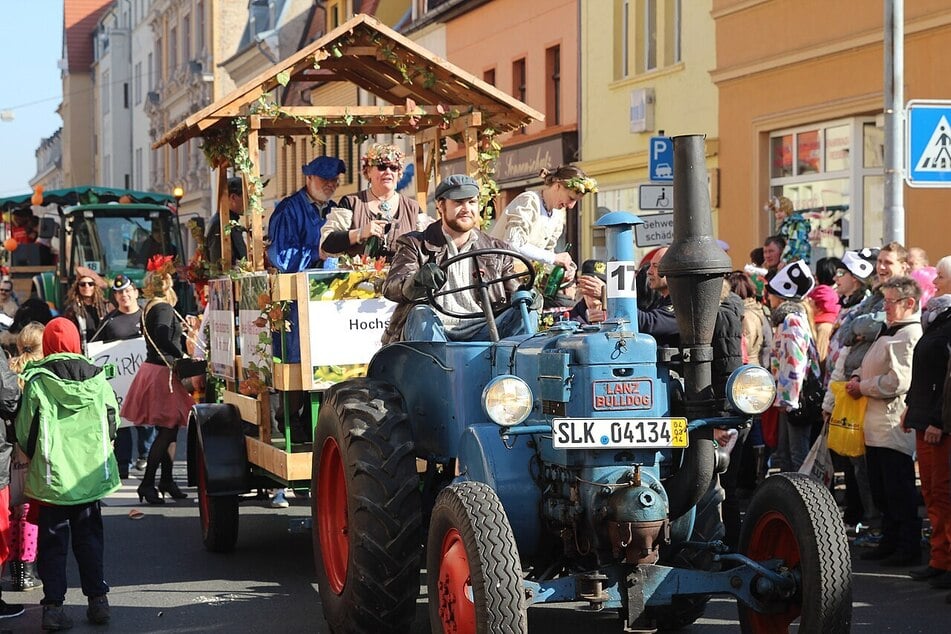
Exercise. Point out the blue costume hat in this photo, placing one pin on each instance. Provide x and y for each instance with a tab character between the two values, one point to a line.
327	167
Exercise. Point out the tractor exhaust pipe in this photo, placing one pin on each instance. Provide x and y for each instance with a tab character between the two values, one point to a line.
694	266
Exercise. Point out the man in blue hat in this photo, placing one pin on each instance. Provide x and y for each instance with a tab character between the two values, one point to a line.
294	230
415	268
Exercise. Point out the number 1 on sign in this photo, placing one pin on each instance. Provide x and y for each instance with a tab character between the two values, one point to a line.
622	279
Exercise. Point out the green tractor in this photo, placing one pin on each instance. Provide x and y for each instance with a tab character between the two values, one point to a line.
93	229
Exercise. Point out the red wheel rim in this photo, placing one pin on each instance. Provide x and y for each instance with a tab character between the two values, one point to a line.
456	607
774	538
332	516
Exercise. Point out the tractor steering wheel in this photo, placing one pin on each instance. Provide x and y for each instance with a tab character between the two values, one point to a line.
480	284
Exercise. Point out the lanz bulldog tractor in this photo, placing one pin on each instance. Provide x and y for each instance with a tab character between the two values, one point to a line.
572	465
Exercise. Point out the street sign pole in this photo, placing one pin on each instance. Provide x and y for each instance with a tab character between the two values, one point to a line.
894	194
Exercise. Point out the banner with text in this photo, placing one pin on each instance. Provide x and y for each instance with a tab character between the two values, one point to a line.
221	328
127	355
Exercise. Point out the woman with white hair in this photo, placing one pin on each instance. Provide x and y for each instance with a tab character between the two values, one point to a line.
929	368
157	396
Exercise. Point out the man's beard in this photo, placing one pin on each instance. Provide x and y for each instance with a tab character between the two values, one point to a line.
460	224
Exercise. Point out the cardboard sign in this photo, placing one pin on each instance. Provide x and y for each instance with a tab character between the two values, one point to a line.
127	355
221	349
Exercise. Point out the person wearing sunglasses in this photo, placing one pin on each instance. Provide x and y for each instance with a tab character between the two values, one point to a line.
370	221
8	302
294	228
85	306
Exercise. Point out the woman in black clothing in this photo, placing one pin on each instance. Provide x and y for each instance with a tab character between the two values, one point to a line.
923	415
85	307
156	396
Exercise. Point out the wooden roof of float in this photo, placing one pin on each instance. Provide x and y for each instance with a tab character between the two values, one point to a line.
428	91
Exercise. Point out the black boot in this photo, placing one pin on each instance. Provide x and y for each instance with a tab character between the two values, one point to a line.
168	487
23	574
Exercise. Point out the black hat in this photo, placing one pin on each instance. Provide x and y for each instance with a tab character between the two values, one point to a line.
236	185
793	281
457	187
595	268
121	283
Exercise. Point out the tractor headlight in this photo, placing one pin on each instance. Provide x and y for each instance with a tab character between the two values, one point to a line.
507	400
751	389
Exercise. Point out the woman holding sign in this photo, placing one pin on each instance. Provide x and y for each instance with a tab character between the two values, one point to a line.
157	396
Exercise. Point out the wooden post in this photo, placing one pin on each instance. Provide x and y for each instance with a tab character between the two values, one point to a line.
256	246
422	175
471	137
224	216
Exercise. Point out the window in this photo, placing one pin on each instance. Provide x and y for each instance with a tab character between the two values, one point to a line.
200	27
137	83
137	173
816	167
186	39
125	95
625	38
553	86
335	9
650	34
518	82
173	49
672	32
159	75
489	76
151	82
105	93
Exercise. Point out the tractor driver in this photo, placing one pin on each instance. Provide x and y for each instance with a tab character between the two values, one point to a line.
415	268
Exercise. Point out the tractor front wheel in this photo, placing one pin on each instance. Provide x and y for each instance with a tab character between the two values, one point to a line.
366	509
472	565
795	519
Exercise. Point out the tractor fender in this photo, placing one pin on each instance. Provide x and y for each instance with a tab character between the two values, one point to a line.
506	466
218	429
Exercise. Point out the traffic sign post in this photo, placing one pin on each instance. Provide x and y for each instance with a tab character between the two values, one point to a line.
928	143
660	159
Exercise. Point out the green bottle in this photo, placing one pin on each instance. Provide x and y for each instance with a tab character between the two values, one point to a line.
555	278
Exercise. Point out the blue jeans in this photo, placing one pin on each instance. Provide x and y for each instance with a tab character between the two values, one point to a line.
57	524
424	324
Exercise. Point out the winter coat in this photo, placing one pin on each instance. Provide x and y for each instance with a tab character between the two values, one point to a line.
66	425
416	248
9	401
793	353
885	376
757	332
929	369
727	342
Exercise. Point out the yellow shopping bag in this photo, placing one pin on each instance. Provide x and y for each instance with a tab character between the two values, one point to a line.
846	436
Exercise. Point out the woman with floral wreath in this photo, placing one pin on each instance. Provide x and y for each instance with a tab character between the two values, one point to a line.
371	220
534	221
157	396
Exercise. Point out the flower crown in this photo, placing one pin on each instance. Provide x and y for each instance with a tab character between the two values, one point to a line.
382	153
581	184
161	264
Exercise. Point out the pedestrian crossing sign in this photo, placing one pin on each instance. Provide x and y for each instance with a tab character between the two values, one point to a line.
928	143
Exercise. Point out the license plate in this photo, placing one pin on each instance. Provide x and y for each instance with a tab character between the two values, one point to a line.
605	433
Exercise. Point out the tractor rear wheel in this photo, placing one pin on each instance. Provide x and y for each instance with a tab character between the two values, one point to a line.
218	513
472	565
366	510
794	518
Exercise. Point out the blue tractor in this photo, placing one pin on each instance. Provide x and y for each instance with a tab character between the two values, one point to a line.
574	465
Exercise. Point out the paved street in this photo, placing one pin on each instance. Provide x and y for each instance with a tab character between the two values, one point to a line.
164	581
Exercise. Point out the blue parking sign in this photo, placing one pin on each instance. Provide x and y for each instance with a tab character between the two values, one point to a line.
928	143
660	159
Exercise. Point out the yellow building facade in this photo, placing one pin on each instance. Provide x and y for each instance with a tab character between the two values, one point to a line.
645	71
800	114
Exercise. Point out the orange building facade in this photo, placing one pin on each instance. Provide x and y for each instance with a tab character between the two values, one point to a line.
531	54
801	115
